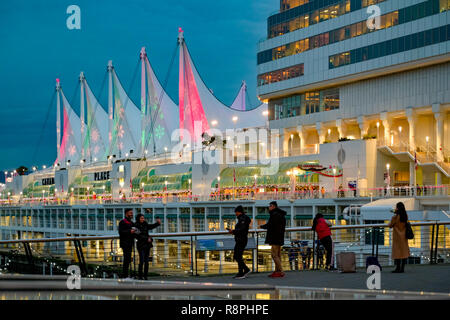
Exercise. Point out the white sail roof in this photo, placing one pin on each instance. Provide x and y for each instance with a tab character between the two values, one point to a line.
71	140
219	115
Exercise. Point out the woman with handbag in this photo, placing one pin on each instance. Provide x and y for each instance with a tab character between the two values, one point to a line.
144	243
400	247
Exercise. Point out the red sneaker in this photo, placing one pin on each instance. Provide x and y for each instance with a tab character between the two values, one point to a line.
277	274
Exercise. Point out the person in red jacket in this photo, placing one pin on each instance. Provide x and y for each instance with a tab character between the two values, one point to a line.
322	227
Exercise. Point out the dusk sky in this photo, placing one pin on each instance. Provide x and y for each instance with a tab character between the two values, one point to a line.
37	47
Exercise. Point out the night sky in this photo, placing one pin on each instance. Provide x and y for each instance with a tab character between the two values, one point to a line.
36	47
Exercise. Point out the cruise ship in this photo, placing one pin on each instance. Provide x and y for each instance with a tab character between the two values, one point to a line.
354	117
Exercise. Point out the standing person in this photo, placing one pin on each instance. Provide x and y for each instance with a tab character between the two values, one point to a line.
126	233
144	242
276	226
322	191
400	247
322	227
240	233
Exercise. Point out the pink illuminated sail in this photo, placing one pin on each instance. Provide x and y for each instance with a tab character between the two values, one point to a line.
190	104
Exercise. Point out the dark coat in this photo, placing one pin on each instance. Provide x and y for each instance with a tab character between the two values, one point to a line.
240	231
126	237
142	237
275	226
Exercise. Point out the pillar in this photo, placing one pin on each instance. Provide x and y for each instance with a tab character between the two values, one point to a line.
411	120
302	138
284	137
363	126
166	253
412	174
439	133
387	127
221	260
206	261
178	253
339	128
155	252
321	132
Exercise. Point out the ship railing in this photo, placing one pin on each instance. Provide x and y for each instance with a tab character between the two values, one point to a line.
211	252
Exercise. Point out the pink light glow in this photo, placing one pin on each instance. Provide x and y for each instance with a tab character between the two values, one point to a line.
57	80
180	29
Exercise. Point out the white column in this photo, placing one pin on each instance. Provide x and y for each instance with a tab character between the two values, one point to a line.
411	120
284	139
221	260
363	126
339	128
206	261
321	132
439	135
387	127
302	138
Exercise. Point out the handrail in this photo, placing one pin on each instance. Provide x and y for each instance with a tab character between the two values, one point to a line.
208	233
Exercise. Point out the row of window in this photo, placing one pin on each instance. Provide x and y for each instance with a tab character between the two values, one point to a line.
401	44
305	103
281	75
404	15
311	13
289	4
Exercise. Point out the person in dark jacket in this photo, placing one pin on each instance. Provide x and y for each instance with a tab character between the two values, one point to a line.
240	233
144	243
126	233
276	226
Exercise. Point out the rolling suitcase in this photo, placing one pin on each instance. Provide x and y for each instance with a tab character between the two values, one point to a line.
346	262
373	260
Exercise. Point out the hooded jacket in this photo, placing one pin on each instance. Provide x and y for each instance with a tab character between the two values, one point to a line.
240	231
275	226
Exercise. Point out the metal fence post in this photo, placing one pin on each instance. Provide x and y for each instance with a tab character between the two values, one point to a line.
192	255
436	244
314	251
431	245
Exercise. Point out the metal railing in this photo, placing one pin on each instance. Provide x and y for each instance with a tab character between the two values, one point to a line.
176	253
305	192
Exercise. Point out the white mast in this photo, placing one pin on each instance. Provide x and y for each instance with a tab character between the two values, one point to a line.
110	104
58	120
82	114
143	55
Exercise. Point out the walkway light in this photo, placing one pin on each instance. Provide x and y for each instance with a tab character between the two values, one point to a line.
400	129
329	131
235	119
427	138
388	166
214	122
218	178
378	124
44	166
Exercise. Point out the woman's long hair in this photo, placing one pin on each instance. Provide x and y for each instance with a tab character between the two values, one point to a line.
138	217
401	211
316	218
